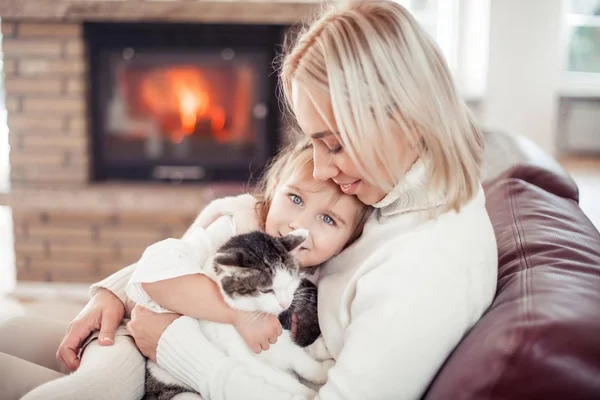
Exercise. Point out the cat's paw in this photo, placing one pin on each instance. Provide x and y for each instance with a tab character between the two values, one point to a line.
324	368
318	350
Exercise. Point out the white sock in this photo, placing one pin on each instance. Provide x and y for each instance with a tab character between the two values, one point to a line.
105	373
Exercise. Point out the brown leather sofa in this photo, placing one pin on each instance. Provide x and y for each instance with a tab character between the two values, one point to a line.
540	339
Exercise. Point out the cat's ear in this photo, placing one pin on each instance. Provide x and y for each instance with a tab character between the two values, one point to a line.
234	261
294	239
230	258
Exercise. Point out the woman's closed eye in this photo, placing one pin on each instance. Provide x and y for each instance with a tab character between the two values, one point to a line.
333	147
335	150
297	200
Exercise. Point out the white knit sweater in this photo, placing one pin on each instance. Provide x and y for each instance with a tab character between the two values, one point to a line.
391	307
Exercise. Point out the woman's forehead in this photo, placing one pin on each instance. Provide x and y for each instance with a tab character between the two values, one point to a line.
313	109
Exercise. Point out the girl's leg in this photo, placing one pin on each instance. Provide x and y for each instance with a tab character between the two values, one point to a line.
106	372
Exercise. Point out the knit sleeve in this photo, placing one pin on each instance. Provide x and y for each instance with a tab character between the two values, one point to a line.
172	258
401	330
116	283
187	354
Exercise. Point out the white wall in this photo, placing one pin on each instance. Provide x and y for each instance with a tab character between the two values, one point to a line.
524	68
472	48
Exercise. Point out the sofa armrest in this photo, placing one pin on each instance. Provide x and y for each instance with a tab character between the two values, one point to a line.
515	156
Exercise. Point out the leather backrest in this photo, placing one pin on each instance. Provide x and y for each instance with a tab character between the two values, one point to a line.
540	339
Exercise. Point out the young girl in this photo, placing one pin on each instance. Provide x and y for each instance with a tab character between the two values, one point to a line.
168	276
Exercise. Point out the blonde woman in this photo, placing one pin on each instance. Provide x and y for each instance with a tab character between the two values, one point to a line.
373	93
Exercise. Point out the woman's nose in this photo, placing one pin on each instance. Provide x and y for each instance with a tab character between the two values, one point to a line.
323	168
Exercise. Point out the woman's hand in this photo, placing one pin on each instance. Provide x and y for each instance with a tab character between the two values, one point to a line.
146	327
103	312
259	331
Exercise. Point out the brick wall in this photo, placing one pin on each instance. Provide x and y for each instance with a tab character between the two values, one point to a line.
45	98
83	247
66	228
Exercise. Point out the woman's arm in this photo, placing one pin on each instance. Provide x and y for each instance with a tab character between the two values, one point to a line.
188	355
399	336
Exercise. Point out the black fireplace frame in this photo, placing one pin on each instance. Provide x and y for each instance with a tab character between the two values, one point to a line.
184	36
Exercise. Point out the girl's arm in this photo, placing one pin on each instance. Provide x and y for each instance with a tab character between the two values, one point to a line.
116	283
126	283
193	295
200	298
169	277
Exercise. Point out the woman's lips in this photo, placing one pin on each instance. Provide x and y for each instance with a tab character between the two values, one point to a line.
350	188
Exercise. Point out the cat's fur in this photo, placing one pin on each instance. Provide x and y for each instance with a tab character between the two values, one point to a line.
258	272
304	305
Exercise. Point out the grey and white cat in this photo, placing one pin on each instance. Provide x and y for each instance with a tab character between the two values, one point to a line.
258	272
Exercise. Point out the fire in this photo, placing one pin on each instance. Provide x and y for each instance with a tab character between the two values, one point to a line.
182	92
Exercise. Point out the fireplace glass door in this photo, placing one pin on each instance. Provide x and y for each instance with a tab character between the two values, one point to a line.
200	112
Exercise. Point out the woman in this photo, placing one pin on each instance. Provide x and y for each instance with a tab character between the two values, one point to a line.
373	93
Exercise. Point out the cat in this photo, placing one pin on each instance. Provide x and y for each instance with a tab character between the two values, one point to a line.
258	272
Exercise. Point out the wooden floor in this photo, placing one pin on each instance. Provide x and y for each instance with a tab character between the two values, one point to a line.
586	173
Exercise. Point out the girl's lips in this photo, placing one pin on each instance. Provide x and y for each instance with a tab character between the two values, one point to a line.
350	188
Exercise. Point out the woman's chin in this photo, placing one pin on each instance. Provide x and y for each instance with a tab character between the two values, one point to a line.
369	195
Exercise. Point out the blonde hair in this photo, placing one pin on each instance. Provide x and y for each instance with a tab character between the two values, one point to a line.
296	158
386	77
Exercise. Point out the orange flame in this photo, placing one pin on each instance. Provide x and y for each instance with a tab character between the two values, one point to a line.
182	91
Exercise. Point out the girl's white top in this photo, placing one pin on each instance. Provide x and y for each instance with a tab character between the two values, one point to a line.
192	254
392	306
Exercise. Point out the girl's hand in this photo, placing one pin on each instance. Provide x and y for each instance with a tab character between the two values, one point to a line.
146	327
105	312
259	330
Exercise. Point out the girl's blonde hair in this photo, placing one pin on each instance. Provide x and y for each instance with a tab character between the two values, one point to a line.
296	158
386	79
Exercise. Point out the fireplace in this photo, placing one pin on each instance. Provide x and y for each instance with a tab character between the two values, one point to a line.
182	102
73	220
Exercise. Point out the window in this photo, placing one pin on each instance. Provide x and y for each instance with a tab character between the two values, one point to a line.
582	58
460	28
440	19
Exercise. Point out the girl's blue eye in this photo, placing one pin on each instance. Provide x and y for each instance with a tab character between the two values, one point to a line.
328	220
295	199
